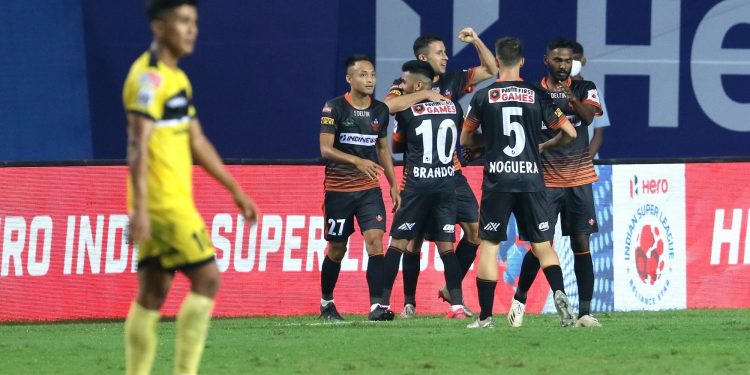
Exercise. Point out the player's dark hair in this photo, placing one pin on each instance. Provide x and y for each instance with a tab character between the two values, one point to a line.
419	67
352	59
157	9
559	42
422	44
577	48
509	50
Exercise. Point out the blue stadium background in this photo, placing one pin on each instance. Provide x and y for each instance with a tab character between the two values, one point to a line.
263	69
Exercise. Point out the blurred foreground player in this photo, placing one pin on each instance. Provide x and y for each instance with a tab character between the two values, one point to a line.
164	137
353	131
510	111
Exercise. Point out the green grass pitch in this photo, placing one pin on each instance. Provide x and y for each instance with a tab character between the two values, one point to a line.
672	342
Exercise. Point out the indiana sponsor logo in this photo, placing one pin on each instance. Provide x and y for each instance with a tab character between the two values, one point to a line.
649	254
512	94
358	139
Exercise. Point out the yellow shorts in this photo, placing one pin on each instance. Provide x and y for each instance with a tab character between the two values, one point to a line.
178	241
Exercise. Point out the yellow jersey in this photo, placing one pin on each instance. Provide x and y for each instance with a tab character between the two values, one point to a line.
164	95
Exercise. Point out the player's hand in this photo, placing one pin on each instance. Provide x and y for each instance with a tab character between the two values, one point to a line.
467	35
396	198
247	207
469	154
370	168
140	227
572	98
435	96
541	148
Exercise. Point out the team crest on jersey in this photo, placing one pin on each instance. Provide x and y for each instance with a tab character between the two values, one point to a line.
432	108
151	78
375	125
512	94
447	93
593	96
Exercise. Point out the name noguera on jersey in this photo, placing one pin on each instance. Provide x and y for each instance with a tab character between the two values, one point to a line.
358	139
513	166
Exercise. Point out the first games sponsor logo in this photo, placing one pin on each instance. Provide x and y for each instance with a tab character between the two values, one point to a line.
649	254
433	108
512	166
358	139
511	94
437	172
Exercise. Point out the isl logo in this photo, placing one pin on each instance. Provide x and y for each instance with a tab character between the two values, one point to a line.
649	254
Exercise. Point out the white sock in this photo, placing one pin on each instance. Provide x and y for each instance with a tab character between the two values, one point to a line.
325	302
454	308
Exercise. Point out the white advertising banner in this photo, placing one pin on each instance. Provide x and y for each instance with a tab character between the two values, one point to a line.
649	236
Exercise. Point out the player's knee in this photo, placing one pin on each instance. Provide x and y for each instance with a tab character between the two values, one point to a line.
580	244
153	297
336	251
471	232
207	286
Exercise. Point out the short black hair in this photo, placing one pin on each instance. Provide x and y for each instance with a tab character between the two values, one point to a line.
559	42
155	9
509	50
352	59
577	48
424	42
419	67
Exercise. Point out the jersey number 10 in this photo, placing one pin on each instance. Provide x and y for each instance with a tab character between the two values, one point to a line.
445	154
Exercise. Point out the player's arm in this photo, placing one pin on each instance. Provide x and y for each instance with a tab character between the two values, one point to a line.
328	152
139	135
566	134
206	156
398	137
487	68
586	108
596	141
386	161
471	140
397	101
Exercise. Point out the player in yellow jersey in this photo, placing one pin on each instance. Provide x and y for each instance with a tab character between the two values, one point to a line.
164	137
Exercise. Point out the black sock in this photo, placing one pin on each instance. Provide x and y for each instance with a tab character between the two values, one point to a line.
466	252
329	274
529	269
392	260
555	278
452	277
584	269
486	292
375	277
410	272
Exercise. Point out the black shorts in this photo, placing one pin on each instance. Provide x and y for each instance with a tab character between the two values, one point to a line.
429	212
342	207
575	205
467	207
529	208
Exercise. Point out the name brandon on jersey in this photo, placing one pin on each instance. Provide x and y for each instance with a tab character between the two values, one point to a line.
432	108
513	166
511	94
437	172
358	139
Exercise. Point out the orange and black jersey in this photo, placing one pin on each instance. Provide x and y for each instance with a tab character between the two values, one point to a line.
571	165
429	131
510	113
452	85
356	132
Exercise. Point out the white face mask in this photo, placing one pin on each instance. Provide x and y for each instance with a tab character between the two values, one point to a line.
575	68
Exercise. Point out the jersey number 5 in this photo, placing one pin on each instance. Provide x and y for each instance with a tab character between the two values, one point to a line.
514	127
425	130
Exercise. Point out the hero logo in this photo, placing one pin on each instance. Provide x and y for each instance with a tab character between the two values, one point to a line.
728	236
649	254
358	139
648	186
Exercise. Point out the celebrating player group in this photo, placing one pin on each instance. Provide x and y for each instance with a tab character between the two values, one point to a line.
536	166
